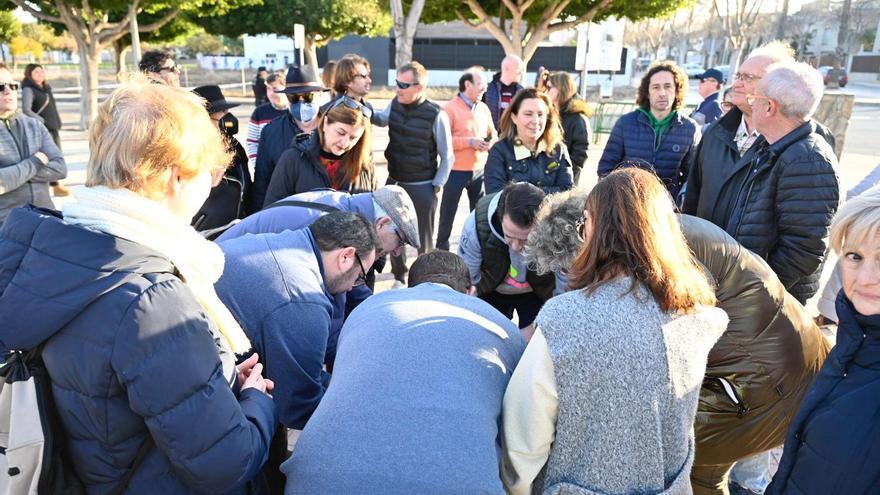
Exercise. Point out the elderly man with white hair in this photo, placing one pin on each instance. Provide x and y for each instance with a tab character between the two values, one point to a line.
791	190
503	87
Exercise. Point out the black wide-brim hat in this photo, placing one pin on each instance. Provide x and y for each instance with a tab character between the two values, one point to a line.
301	80
214	96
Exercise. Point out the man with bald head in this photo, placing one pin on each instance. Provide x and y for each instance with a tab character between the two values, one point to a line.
504	86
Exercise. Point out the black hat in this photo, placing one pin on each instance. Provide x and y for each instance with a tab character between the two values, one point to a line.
301	80
214	96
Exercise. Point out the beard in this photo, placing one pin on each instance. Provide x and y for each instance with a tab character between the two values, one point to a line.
341	283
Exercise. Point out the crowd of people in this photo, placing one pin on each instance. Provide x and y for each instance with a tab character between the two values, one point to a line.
197	303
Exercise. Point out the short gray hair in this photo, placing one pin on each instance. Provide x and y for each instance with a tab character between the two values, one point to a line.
342	229
796	86
777	51
554	239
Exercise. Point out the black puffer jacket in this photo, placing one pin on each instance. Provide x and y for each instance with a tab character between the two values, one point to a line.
300	170
760	369
576	134
784	209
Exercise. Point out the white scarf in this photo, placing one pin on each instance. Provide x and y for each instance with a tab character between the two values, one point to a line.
123	213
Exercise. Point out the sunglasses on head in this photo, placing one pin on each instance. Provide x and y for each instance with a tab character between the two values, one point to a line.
403	85
11	86
354	105
304	97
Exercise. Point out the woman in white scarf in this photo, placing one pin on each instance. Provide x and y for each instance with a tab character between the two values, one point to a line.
154	155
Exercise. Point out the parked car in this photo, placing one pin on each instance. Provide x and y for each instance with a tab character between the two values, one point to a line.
825	70
693	69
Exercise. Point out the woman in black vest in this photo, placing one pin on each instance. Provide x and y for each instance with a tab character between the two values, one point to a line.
37	102
336	155
531	148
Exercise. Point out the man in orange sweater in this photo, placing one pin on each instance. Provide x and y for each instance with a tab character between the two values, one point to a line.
472	136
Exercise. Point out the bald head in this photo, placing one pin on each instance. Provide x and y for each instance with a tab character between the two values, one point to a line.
511	69
755	68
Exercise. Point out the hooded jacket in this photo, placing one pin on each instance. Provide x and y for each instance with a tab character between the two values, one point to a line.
300	170
761	367
130	354
576	133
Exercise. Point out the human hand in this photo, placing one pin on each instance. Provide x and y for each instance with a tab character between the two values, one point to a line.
42	157
437	189
255	380
244	369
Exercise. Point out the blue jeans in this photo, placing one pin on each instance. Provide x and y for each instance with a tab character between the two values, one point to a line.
458	181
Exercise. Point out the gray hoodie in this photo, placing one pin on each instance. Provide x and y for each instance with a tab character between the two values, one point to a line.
23	177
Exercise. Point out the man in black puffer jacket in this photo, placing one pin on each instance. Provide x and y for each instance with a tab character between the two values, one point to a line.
790	189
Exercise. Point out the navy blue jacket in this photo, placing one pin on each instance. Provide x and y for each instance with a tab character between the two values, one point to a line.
633	138
130	353
551	172
276	138
492	99
783	209
833	444
274	285
710	109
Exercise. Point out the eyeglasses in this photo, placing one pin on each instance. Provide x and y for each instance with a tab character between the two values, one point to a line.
403	85
11	86
400	239
750	99
740	76
362	278
174	68
296	98
352	104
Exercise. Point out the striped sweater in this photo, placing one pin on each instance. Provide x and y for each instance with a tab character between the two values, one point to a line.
262	115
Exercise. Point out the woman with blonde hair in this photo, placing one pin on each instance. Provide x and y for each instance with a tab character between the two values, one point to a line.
119	292
604	397
530	148
575	114
833	444
336	155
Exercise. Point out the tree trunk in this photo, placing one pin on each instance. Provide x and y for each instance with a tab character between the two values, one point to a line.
780	26
403	49
135	37
89	56
405	26
310	51
119	55
843	33
735	59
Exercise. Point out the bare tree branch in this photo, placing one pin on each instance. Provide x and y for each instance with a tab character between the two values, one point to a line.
161	22
585	17
37	13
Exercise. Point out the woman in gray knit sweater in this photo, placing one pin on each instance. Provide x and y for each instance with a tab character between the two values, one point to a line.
604	397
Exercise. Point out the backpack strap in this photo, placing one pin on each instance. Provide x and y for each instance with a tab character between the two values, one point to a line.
142	452
304	204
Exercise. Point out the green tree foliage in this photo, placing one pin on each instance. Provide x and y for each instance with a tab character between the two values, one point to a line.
521	25
324	20
9	29
204	43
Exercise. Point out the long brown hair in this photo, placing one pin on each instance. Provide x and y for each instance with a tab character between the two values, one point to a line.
678	75
566	90
358	157
634	232
346	72
552	136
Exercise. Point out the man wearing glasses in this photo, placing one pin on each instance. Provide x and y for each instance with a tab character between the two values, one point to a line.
160	67
277	136
419	153
352	79
29	158
733	154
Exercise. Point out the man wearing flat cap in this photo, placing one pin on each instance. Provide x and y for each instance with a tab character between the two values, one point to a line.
710	88
225	204
300	88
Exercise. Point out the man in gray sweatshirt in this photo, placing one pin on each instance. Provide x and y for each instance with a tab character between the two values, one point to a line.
417	389
29	159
